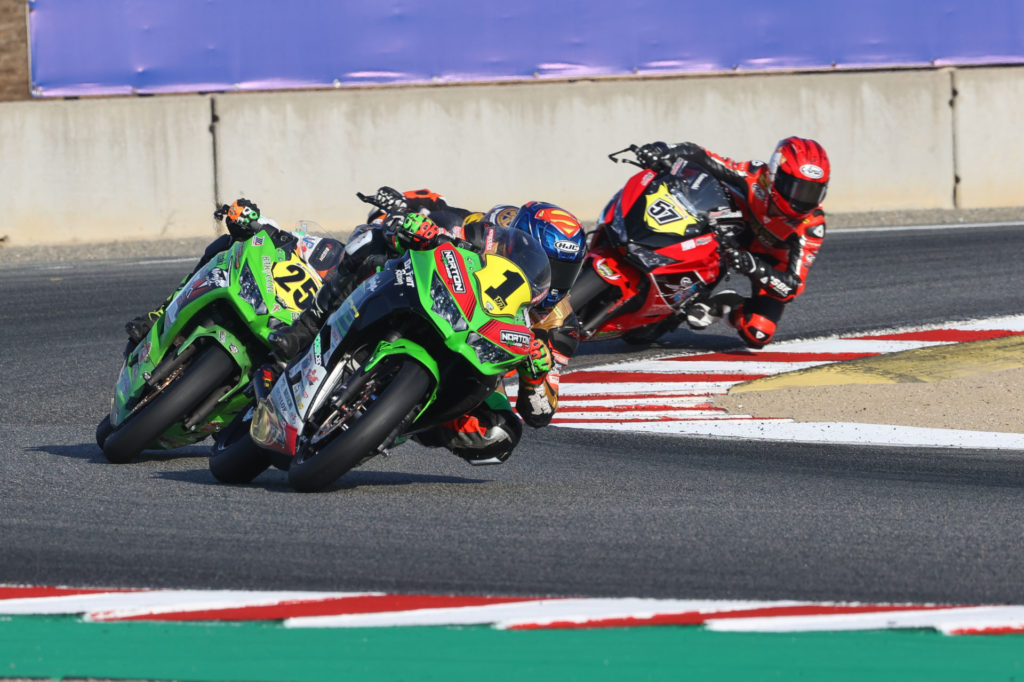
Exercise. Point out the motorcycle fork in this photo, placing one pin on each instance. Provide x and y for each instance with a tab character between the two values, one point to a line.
627	302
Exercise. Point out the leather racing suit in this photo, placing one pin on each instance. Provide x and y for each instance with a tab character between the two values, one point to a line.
788	247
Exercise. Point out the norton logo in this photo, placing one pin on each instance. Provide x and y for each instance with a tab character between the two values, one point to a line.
568	247
515	339
811	171
563	220
451	267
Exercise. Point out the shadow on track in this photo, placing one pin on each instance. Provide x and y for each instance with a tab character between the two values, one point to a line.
276	481
90	451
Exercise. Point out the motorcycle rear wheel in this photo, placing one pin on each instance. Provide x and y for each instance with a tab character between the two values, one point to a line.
644	336
235	458
391	396
206	373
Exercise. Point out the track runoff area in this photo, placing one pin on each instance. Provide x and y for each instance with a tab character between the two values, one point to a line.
65	631
675	394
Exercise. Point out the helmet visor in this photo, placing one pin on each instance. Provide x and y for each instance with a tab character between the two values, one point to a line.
523	250
564	273
802	195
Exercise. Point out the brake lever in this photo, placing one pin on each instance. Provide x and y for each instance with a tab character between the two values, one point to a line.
631	148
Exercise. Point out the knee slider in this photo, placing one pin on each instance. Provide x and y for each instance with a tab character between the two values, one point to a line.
755	330
487	439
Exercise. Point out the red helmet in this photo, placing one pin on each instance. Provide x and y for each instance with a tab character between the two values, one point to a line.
798	172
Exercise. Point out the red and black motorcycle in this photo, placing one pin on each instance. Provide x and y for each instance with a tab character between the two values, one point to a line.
657	250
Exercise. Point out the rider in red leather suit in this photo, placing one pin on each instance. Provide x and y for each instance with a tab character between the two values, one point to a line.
781	202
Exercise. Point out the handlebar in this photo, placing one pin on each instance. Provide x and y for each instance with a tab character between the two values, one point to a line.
367	199
614	156
725	232
391	224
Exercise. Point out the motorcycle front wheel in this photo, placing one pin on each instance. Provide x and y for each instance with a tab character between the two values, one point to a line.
386	398
235	458
207	372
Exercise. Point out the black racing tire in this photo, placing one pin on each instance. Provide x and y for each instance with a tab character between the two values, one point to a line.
645	336
206	373
235	458
395	399
103	429
587	296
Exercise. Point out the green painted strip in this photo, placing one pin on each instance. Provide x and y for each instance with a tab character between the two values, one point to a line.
47	646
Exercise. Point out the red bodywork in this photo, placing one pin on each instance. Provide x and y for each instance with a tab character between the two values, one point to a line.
695	261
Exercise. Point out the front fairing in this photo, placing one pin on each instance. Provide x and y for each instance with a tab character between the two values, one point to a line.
657	229
438	298
661	216
234	300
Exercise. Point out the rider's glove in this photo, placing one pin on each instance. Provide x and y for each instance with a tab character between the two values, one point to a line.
537	364
687	150
390	201
241	218
417	232
652	155
743	262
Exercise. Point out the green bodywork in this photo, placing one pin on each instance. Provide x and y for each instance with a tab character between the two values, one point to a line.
229	302
456	327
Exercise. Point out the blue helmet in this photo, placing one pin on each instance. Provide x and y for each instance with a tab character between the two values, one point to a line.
562	237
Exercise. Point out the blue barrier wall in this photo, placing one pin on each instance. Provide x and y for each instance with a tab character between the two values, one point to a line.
104	47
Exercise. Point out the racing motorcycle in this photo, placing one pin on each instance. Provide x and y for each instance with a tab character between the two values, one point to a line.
658	248
417	344
186	379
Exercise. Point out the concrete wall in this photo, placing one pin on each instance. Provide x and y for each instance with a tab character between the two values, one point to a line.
990	137
134	168
104	170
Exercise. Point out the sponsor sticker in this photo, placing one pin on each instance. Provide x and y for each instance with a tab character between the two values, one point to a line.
809	170
779	286
605	270
568	247
515	339
454	272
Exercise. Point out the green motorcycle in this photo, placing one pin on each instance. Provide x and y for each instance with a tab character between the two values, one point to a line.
188	377
421	342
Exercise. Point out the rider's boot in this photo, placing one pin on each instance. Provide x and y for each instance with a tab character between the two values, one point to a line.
702	314
138	328
698	316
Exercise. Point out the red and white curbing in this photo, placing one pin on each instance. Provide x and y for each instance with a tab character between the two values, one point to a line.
374	609
673	394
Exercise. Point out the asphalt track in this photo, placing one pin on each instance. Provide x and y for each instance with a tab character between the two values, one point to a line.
590	514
